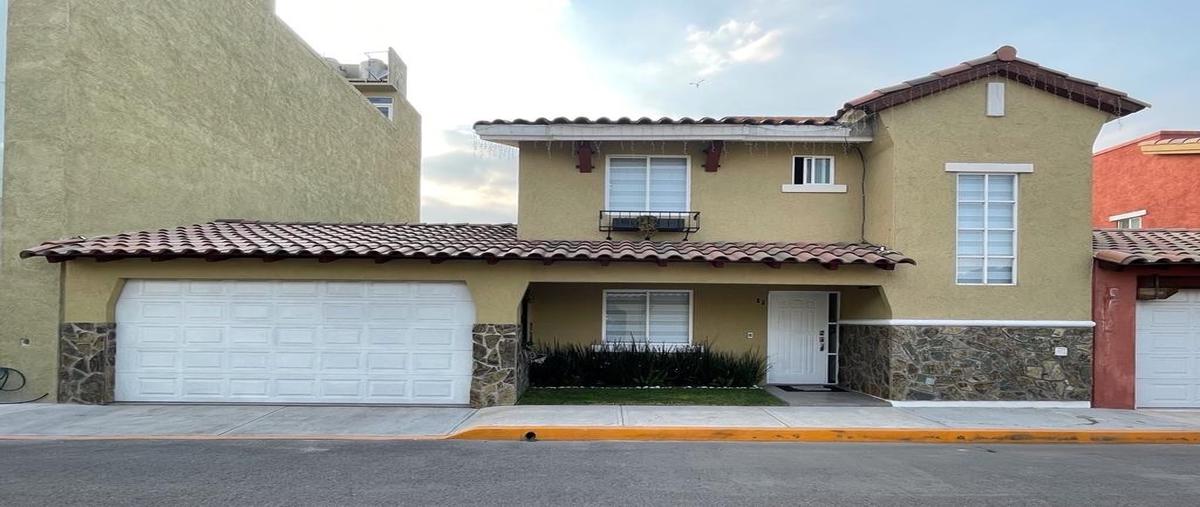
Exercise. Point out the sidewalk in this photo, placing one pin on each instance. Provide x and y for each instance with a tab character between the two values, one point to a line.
50	421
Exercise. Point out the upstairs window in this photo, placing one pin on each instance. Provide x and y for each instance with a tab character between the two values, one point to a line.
1130	223
647	183
987	229
807	170
383	104
1131	220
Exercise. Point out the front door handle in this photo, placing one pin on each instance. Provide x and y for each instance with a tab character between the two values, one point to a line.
821	341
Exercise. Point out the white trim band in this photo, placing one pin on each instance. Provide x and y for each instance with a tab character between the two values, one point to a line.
1131	214
969	323
990	404
813	189
669	132
979	167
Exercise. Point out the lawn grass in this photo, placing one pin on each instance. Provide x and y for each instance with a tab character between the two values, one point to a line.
633	396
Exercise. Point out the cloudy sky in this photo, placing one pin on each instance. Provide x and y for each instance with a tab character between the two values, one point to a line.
474	60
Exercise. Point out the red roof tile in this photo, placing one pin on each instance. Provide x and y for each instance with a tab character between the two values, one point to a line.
725	120
1002	62
236	238
1147	246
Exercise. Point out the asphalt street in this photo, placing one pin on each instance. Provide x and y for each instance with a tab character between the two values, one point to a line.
593	473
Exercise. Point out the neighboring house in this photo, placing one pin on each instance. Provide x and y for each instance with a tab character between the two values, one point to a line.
1147	312
144	114
1146	279
929	241
1149	182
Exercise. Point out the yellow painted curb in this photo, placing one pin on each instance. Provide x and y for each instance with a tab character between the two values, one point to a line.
716	434
915	435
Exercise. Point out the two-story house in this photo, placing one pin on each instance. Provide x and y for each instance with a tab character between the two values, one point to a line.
135	115
1148	182
929	241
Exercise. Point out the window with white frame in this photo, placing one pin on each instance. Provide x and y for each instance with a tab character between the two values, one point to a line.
648	317
1130	220
383	104
1129	223
987	229
810	170
638	183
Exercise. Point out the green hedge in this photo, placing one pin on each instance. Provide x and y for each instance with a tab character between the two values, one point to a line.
641	365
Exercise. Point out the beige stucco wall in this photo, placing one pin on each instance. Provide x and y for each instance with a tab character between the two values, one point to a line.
1053	209
91	288
152	113
910	199
741	201
571	313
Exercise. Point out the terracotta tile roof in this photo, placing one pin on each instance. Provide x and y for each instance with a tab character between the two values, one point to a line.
1188	138
725	120
240	238
1002	62
1147	246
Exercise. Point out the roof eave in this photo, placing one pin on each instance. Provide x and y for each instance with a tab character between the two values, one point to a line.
512	134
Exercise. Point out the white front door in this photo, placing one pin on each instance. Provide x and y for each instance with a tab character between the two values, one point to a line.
275	341
1168	351
797	345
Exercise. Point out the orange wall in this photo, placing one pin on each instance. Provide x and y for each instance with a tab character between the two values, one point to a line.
1125	179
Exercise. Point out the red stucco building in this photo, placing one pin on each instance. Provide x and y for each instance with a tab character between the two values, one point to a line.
1149	182
1146	276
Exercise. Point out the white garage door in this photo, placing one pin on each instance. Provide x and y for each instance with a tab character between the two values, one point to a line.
294	341
1168	351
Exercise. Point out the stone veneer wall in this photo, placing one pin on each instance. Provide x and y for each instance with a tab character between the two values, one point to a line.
87	358
501	365
967	363
863	360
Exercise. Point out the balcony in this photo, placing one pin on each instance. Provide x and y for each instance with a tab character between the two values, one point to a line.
649	222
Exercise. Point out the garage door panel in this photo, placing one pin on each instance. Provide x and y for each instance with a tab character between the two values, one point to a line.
344	311
160	288
249	336
288	341
201	336
296	337
380	362
389	312
154	335
1168	351
391	290
334	336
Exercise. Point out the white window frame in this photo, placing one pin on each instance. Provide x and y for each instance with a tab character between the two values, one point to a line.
667	346
390	105
805	187
687	160
995	99
1128	217
1131	223
1016	227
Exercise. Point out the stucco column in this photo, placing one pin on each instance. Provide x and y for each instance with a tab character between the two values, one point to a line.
1114	303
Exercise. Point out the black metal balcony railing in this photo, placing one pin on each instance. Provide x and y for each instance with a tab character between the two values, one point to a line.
649	222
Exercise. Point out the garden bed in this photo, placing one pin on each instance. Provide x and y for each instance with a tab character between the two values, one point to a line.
752	396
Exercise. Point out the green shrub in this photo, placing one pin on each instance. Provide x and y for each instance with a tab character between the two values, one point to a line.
643	365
